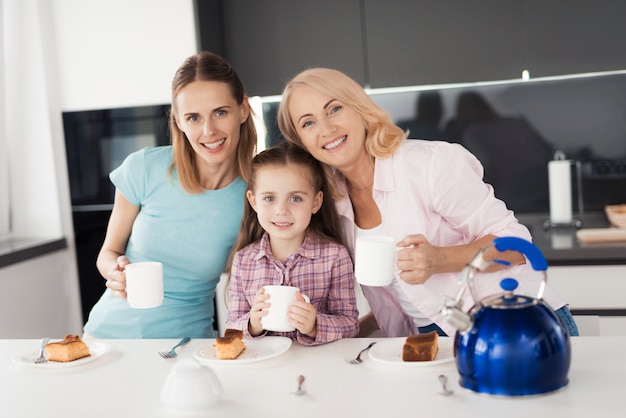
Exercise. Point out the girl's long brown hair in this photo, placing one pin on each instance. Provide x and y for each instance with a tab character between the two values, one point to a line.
208	66
325	223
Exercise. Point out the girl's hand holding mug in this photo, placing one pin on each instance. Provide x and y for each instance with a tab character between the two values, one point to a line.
303	316
288	310
257	311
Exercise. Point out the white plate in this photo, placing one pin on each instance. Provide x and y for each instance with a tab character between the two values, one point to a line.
256	350
96	349
390	352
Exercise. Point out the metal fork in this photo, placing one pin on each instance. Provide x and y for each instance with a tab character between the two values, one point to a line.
42	358
357	359
172	352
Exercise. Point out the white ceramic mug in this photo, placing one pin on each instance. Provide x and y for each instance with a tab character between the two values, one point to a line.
281	297
144	284
375	258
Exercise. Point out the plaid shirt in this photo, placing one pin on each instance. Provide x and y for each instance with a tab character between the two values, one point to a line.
320	268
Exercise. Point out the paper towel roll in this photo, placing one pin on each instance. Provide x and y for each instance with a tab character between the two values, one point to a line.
560	180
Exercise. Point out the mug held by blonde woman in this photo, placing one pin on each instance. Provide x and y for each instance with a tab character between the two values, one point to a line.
375	260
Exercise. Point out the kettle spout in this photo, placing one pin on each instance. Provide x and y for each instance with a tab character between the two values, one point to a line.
460	320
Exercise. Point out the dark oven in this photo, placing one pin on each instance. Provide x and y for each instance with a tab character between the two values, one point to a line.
96	142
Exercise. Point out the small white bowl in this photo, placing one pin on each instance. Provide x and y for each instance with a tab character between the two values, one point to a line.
191	386
616	215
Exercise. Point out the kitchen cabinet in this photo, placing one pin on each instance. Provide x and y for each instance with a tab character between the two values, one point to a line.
428	42
574	36
39	297
208	17
591	278
594	290
423	42
413	42
600	288
380	44
270	41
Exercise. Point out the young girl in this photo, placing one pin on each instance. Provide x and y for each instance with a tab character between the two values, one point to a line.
291	235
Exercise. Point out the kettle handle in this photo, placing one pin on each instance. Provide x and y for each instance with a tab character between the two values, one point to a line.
451	309
532	253
530	250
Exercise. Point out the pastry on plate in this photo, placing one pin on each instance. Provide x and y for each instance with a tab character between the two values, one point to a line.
68	349
230	346
421	347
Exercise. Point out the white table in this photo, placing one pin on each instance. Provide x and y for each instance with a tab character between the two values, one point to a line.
127	381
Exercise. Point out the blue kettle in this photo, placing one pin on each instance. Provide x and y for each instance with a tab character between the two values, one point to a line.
508	344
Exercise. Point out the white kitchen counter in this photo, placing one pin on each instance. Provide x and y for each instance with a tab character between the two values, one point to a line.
126	382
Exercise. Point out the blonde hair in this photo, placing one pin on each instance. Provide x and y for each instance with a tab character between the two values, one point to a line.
382	136
208	67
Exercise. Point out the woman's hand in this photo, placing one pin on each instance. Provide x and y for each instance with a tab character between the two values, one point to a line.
257	311
303	316
116	277
419	260
423	260
111	260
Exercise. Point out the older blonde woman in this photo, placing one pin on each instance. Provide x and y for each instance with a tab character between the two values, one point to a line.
428	195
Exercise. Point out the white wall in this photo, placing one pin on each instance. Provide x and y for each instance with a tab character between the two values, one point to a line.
4	172
34	190
68	55
40	295
116	53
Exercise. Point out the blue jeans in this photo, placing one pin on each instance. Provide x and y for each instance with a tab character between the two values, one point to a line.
568	321
564	315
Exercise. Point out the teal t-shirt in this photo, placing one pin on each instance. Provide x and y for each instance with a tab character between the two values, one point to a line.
191	234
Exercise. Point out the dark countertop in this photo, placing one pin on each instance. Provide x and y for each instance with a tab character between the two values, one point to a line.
16	250
561	247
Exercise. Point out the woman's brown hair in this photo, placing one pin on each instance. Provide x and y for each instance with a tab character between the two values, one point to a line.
208	66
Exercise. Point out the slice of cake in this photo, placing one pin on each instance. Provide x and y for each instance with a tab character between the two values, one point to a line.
421	347
231	345
68	349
